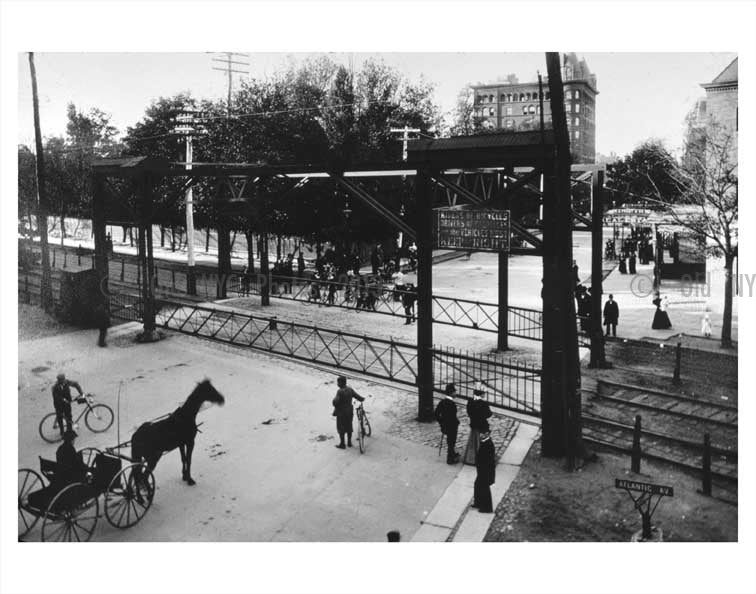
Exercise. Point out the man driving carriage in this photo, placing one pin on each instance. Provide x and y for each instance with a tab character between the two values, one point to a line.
69	465
61	393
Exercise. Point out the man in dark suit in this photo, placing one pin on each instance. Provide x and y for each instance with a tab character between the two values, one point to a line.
611	315
446	415
485	466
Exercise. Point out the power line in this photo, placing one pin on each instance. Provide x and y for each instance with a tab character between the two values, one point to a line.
229	69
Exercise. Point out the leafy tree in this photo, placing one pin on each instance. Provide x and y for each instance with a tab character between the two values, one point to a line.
642	175
705	201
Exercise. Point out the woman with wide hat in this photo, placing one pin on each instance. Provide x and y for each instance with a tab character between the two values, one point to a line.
479	412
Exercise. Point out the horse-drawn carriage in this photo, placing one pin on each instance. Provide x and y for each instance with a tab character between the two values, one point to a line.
70	512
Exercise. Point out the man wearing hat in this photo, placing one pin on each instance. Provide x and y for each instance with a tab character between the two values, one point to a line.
446	415
70	467
485	466
61	393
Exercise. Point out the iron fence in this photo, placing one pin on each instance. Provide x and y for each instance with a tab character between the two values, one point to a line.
507	383
510	385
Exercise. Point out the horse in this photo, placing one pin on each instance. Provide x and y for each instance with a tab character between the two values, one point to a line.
178	430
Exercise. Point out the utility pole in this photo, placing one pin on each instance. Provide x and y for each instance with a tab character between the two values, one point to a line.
560	387
46	296
185	126
231	59
405	132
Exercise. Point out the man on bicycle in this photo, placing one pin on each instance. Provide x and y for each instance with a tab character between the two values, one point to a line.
344	411
61	393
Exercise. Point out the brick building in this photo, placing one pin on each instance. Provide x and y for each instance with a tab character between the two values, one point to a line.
722	96
512	105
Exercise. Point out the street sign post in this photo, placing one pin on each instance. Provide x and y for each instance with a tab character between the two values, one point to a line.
642	502
468	229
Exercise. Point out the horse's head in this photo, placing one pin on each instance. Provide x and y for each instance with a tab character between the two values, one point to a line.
206	392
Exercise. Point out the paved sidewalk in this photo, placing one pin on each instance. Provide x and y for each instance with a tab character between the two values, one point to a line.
450	520
633	294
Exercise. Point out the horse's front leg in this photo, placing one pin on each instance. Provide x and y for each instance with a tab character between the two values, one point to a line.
189	448
184	471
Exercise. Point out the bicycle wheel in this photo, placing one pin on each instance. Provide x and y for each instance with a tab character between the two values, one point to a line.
99	418
368	429
49	430
361	435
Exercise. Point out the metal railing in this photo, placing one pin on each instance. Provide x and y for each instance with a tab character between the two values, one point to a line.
507	383
375	296
510	385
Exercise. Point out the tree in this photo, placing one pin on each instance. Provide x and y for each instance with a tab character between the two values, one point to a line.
464	113
706	197
642	174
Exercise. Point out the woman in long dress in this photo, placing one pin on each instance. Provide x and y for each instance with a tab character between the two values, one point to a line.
661	317
478	411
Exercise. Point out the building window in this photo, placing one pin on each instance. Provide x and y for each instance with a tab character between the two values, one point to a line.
548	95
522	96
490	111
568	94
577	107
538	109
510	123
509	110
577	94
577	133
490	99
509	97
524	110
577	121
531	109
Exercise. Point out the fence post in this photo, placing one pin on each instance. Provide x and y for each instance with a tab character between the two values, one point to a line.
123	268
65	259
54	254
635	464
706	485
678	356
78	259
173	279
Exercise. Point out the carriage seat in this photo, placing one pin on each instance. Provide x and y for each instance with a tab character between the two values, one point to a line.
106	467
47	468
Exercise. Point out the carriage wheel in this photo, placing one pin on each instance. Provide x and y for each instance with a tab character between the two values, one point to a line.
129	496
72	515
49	430
99	418
88	455
28	482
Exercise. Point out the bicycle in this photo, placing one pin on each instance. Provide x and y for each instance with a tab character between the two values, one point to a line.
363	427
97	417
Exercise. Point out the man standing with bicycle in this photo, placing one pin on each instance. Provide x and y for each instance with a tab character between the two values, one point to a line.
61	393
344	411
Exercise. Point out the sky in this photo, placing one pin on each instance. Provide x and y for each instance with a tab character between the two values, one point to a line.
641	95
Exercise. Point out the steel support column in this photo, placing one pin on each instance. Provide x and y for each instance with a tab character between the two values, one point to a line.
100	235
424	203
598	356
149	333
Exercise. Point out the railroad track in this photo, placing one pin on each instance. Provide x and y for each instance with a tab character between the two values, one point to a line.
672	426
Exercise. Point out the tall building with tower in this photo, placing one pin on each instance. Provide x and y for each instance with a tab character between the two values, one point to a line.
515	106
